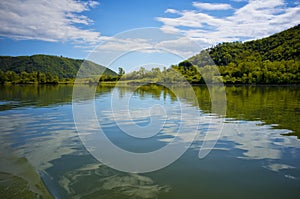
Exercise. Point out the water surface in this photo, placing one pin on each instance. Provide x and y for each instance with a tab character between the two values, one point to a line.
257	155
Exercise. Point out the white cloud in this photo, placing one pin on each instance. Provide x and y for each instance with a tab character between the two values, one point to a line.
172	11
150	41
182	47
212	6
53	20
239	0
125	44
191	19
256	19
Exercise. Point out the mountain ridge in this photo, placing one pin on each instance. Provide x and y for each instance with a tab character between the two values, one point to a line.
62	67
271	60
280	46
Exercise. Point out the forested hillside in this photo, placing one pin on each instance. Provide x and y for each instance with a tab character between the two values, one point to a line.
272	60
279	47
275	59
56	66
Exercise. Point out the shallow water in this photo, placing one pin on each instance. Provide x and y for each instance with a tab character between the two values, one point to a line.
257	154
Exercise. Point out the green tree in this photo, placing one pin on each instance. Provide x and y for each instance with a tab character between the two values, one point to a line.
121	72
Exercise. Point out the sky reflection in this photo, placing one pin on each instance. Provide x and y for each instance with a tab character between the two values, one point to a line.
45	139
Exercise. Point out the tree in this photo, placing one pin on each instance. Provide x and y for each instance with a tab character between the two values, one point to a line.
121	72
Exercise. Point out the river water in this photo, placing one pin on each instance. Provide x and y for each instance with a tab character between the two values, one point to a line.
255	152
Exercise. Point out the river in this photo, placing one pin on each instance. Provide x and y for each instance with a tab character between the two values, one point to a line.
254	145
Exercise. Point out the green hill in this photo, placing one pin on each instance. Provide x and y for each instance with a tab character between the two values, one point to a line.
278	47
56	66
275	59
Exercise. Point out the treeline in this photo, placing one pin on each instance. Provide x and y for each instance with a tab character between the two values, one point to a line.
259	72
105	77
12	77
252	72
262	72
155	75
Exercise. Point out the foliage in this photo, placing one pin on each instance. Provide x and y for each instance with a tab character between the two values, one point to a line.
282	46
272	60
262	72
155	75
27	78
56	66
121	72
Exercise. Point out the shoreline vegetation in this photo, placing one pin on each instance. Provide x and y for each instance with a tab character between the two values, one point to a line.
273	60
180	75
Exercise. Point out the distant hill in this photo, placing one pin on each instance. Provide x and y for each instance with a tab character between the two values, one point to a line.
281	46
271	60
57	66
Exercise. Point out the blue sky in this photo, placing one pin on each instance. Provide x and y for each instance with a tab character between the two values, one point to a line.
73	28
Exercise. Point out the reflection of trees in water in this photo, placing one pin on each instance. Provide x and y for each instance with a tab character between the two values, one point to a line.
155	91
40	95
270	104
